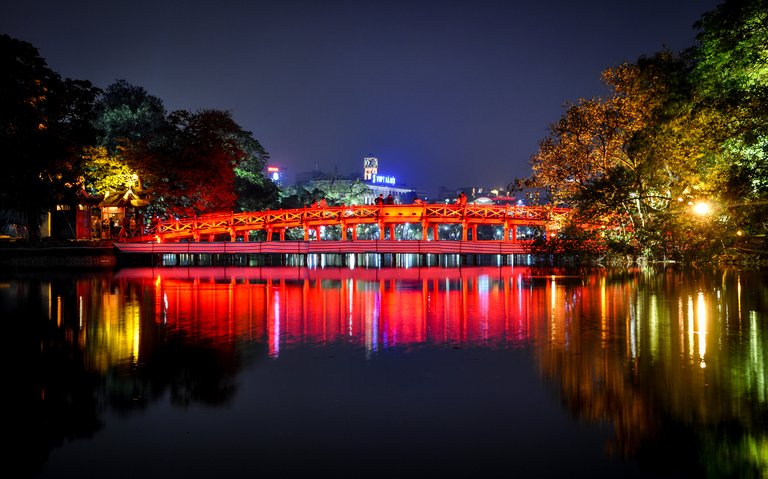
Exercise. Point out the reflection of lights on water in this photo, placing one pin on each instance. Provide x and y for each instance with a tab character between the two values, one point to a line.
756	356
165	308
603	312
689	321
653	326
701	313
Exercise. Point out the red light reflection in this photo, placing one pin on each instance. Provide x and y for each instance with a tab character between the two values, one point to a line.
374	309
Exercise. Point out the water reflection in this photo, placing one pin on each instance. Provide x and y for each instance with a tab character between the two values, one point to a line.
674	361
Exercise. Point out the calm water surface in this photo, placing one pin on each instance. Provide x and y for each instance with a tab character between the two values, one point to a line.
387	372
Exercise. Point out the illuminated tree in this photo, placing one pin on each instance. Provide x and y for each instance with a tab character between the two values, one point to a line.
731	76
190	167
339	191
104	172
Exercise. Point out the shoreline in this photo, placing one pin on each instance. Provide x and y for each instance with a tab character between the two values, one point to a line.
58	253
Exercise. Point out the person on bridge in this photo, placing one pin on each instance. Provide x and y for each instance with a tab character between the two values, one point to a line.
389	200
323	203
379	199
462	199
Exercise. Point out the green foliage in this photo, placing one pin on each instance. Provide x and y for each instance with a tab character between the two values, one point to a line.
335	191
104	172
255	191
675	129
127	113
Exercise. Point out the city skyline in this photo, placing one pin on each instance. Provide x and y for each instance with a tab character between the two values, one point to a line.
444	94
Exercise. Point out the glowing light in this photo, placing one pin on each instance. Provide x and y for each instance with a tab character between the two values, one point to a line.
386	179
702	208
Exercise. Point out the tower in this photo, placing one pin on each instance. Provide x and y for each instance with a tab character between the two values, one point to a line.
370	167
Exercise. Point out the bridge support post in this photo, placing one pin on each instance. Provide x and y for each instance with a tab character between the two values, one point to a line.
306	233
343	231
464	228
435	232
424	231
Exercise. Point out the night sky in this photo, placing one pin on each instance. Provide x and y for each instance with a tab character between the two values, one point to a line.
448	93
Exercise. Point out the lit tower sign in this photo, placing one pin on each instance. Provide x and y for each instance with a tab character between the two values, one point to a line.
383	179
274	174
370	167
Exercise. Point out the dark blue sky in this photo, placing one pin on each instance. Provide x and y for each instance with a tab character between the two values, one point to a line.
452	93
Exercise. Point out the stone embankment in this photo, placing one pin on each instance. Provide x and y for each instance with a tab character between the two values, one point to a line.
52	254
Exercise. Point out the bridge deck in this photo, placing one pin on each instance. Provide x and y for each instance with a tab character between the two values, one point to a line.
329	247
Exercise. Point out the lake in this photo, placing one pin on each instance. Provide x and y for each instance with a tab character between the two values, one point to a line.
481	371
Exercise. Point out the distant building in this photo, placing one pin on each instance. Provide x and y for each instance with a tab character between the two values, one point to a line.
276	174
383	184
376	182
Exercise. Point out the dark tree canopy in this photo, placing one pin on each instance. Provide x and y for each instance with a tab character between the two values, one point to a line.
127	113
44	123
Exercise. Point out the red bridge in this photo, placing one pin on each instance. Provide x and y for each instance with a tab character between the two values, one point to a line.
346	229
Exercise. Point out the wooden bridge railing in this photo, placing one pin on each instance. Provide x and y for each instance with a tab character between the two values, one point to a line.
386	216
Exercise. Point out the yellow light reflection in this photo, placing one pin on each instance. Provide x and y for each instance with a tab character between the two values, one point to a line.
701	317
603	314
653	327
689	320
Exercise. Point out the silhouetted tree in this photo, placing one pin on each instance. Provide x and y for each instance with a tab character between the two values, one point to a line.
44	123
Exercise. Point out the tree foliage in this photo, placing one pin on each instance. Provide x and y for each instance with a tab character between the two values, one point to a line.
732	79
675	129
192	166
127	113
44	123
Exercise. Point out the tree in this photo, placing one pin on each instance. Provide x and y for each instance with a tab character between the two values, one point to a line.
731	77
103	172
127	113
254	191
190	166
44	123
637	152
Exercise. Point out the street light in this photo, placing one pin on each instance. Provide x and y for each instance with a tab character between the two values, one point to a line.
702	208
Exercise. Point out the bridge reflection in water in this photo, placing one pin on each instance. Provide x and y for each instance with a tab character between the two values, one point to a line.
374	308
667	358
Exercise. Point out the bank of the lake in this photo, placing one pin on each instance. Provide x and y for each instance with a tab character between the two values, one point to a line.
47	254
